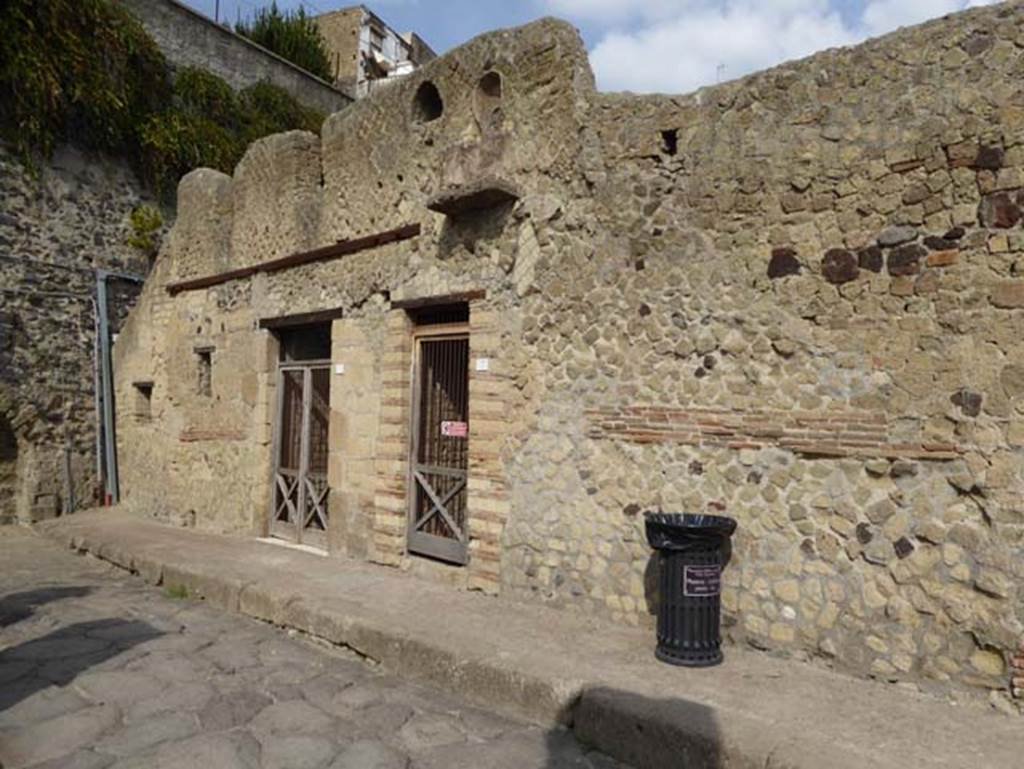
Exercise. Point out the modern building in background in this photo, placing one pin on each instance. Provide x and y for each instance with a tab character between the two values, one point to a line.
366	52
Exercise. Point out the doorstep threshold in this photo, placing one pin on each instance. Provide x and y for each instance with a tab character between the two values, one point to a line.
293	546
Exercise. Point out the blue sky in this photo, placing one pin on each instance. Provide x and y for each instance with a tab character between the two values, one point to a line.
671	46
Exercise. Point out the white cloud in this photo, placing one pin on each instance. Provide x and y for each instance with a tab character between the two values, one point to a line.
881	16
708	44
678	45
617	10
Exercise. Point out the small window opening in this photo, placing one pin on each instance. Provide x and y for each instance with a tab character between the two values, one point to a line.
490	85
487	99
204	378
143	401
427	103
670	141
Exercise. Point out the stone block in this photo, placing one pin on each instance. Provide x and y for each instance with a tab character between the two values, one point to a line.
1008	295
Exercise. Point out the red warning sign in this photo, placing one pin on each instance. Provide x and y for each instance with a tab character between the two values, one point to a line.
455	429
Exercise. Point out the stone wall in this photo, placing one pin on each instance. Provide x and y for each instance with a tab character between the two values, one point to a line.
190	39
61	221
794	299
814	326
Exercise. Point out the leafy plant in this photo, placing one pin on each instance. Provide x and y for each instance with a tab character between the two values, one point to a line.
267	109
81	69
86	72
209	125
292	35
146	222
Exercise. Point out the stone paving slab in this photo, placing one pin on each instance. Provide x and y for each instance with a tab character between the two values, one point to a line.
102	671
558	667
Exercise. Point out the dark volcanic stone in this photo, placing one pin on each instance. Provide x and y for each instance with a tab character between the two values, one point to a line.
870	258
783	263
839	266
978	43
955	234
939	244
991	158
968	401
903	547
1000	211
864	534
905	260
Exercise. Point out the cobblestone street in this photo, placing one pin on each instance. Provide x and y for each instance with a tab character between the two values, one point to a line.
99	670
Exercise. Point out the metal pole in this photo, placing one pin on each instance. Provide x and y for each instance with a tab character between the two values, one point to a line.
107	375
216	12
97	392
110	449
69	483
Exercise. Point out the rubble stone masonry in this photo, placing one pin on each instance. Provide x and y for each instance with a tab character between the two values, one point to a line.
796	299
59	222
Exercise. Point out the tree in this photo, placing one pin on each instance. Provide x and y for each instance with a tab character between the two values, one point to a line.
292	35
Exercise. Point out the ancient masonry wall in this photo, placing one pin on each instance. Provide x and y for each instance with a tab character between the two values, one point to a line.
60	222
795	299
190	39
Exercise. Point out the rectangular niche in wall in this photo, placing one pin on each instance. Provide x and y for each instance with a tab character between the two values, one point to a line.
204	371
143	401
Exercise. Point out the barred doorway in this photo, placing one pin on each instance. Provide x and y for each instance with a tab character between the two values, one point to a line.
299	505
438	525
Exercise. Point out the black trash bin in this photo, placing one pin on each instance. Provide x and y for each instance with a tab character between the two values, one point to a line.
692	551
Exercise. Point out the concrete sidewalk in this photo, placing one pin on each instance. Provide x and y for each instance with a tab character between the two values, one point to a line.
754	711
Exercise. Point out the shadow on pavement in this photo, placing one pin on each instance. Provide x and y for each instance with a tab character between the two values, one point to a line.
57	658
643	732
18	606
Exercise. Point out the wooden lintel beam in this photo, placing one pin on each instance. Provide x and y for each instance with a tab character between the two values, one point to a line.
302	319
341	248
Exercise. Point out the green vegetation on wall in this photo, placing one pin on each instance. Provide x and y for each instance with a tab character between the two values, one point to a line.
210	125
86	72
81	69
291	35
146	222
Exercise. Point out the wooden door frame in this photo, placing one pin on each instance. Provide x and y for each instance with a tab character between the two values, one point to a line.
453	551
276	529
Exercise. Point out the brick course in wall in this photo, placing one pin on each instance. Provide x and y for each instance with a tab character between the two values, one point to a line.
833	434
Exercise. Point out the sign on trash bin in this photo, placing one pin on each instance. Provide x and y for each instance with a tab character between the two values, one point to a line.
700	581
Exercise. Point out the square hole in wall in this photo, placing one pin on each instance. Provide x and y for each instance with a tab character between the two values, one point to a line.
204	371
143	400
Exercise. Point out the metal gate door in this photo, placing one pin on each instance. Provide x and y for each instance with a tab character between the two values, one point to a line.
437	504
299	507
